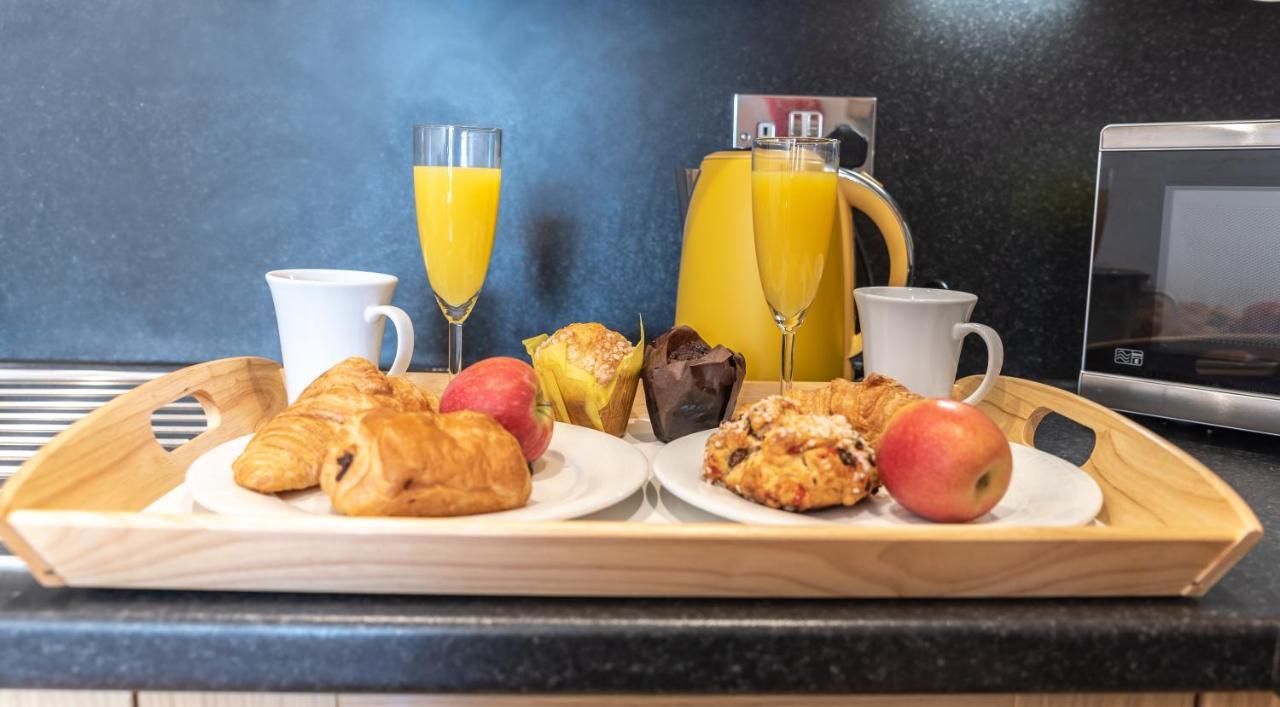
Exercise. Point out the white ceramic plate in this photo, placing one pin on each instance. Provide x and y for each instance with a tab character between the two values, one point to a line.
1045	491
582	472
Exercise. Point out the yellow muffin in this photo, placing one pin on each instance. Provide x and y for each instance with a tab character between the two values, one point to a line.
590	373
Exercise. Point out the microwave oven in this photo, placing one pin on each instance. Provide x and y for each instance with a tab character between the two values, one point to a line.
1183	309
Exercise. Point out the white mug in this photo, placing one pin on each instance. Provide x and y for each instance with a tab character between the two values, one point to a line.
913	334
325	316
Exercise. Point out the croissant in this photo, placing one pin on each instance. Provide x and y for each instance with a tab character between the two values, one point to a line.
388	463
287	452
868	405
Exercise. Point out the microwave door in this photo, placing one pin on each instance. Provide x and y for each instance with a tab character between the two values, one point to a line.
1185	280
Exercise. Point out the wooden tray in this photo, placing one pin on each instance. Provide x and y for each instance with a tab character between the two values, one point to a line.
73	513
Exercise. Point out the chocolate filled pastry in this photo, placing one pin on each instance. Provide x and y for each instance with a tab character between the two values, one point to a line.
868	405
389	463
688	385
774	453
286	453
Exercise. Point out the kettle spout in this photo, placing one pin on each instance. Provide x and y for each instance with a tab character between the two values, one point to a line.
686	179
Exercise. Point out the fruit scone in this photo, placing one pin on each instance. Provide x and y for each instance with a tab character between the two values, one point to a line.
774	453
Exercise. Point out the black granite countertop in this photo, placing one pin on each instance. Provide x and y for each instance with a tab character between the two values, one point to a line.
132	639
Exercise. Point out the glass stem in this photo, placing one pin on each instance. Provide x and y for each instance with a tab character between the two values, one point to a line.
788	358
455	349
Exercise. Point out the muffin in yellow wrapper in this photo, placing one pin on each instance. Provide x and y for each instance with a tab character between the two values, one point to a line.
590	374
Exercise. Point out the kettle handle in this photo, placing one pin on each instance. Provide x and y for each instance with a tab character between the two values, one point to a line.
868	196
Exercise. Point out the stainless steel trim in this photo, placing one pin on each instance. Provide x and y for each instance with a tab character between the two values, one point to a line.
750	110
1252	412
37	403
805	123
22	442
75	375
85	405
61	392
35	443
70	417
686	180
1191	136
1093	240
33	428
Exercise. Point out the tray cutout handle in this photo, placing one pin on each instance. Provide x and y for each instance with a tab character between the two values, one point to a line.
170	424
110	460
212	410
1126	455
1064	438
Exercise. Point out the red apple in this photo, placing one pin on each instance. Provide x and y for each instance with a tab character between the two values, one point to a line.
507	390
944	460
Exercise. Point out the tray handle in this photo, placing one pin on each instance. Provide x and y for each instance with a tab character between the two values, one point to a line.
1126	458
110	459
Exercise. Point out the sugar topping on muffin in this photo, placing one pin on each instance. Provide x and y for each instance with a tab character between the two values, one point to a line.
593	348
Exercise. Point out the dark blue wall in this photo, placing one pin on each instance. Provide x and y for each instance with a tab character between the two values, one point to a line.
157	157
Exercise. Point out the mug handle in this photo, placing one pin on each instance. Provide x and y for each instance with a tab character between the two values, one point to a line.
869	196
404	334
995	356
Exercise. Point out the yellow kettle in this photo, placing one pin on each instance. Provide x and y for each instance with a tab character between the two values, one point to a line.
719	293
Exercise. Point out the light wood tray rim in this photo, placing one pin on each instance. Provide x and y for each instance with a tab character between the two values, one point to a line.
470	528
74	514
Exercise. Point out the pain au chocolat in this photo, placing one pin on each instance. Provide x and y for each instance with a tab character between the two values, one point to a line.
390	463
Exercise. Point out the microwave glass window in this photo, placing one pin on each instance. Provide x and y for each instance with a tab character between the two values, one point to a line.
1186	269
1220	259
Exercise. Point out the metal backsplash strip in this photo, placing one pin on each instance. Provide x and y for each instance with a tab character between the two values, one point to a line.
36	403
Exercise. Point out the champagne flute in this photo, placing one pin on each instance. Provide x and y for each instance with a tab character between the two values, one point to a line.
457	175
793	207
